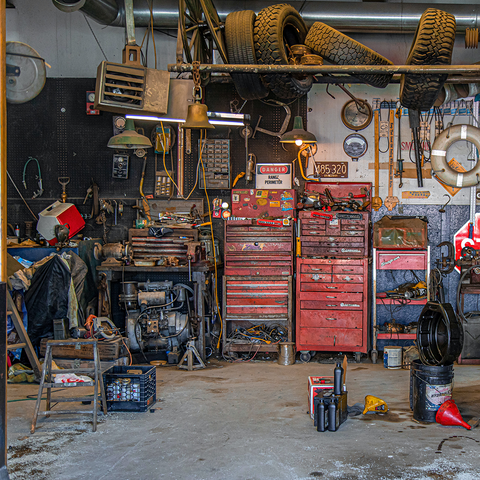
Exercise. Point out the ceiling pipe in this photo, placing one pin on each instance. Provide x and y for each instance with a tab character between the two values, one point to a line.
104	12
368	17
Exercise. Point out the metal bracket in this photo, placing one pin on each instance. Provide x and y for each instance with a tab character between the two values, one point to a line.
283	128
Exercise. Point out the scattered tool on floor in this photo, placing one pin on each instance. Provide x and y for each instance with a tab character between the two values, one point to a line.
374	404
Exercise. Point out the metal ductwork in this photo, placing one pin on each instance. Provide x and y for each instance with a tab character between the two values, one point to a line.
371	17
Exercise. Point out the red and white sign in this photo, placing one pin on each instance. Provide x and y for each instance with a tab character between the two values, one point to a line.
461	238
270	176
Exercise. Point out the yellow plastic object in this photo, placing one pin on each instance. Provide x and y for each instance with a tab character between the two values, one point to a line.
237	178
375	404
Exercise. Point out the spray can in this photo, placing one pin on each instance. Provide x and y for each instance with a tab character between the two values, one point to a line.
17	230
332	414
320	412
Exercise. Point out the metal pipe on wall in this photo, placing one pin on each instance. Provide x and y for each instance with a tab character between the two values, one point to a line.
368	17
341	69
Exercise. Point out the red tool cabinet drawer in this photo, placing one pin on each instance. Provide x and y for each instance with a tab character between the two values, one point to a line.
346	278
316	277
332	295
331	319
398	260
313	338
329	287
333	251
337	304
349	269
317	268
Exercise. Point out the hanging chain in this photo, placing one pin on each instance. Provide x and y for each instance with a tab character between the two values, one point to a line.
197	89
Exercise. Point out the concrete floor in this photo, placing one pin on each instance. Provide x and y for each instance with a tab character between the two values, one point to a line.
249	421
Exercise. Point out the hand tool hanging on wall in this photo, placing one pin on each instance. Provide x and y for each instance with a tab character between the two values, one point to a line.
284	126
399	172
146	206
39	192
64	181
414	119
376	200
390	201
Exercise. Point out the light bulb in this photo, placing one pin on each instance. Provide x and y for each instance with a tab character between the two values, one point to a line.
298	142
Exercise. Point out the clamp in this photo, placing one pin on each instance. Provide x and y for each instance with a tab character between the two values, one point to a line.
284	126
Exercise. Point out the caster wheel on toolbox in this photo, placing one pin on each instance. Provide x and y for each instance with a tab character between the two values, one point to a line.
374	356
305	357
358	357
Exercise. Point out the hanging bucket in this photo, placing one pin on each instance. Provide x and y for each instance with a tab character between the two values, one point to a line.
392	357
286	354
430	387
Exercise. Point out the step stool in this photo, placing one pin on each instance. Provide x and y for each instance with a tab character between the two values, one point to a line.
47	383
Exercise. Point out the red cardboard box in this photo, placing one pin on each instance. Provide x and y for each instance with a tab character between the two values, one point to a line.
314	385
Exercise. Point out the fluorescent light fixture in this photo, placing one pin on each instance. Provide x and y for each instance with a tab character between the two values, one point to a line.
217	118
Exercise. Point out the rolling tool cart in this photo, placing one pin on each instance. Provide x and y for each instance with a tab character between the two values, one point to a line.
332	308
258	281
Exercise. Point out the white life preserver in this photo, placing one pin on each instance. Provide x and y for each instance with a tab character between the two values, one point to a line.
440	167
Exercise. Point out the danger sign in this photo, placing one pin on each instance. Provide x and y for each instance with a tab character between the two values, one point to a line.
461	238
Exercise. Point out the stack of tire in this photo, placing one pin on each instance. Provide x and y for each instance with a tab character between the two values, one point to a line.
264	39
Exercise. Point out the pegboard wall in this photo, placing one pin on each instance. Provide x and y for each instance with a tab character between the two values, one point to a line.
55	128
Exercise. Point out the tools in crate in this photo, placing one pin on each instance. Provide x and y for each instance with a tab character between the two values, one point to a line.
324	200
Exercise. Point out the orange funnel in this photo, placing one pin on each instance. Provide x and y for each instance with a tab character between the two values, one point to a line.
449	415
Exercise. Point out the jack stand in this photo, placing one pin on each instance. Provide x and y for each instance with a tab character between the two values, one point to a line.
188	355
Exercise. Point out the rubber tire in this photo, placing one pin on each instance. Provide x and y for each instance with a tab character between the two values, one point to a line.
339	49
241	50
274	26
432	45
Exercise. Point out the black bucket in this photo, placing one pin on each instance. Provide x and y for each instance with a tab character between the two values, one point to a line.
430	386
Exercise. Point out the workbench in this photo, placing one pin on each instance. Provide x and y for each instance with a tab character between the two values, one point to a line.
202	277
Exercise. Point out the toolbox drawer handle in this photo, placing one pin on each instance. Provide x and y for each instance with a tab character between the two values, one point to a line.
333	288
316	269
280	302
331	296
334	305
330	318
347	270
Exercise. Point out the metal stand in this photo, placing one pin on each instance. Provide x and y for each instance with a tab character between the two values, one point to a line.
188	355
47	383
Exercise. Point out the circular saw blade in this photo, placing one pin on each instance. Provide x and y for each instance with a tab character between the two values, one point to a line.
31	80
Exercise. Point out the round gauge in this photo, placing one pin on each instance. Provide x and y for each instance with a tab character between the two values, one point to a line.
357	116
355	145
140	152
91	97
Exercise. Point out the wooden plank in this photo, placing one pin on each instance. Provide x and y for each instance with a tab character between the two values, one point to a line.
409	169
24	338
108	350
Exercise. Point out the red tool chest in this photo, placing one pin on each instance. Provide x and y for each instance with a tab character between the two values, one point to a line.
259	268
252	249
334	234
332	304
332	283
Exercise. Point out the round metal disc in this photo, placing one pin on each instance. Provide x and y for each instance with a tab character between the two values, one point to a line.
31	79
355	145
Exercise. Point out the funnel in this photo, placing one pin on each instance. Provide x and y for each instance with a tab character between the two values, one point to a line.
448	415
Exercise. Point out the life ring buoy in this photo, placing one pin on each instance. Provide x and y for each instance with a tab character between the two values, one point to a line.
440	167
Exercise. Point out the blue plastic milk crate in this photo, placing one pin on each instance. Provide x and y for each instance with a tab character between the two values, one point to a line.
130	389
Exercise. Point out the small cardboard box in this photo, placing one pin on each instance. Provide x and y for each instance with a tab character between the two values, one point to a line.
314	385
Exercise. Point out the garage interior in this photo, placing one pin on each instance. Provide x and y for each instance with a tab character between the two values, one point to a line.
239	240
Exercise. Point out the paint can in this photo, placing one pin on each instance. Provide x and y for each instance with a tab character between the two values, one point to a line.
392	357
286	353
430	386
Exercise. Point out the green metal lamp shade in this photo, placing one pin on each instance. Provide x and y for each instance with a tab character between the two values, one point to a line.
129	138
298	134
